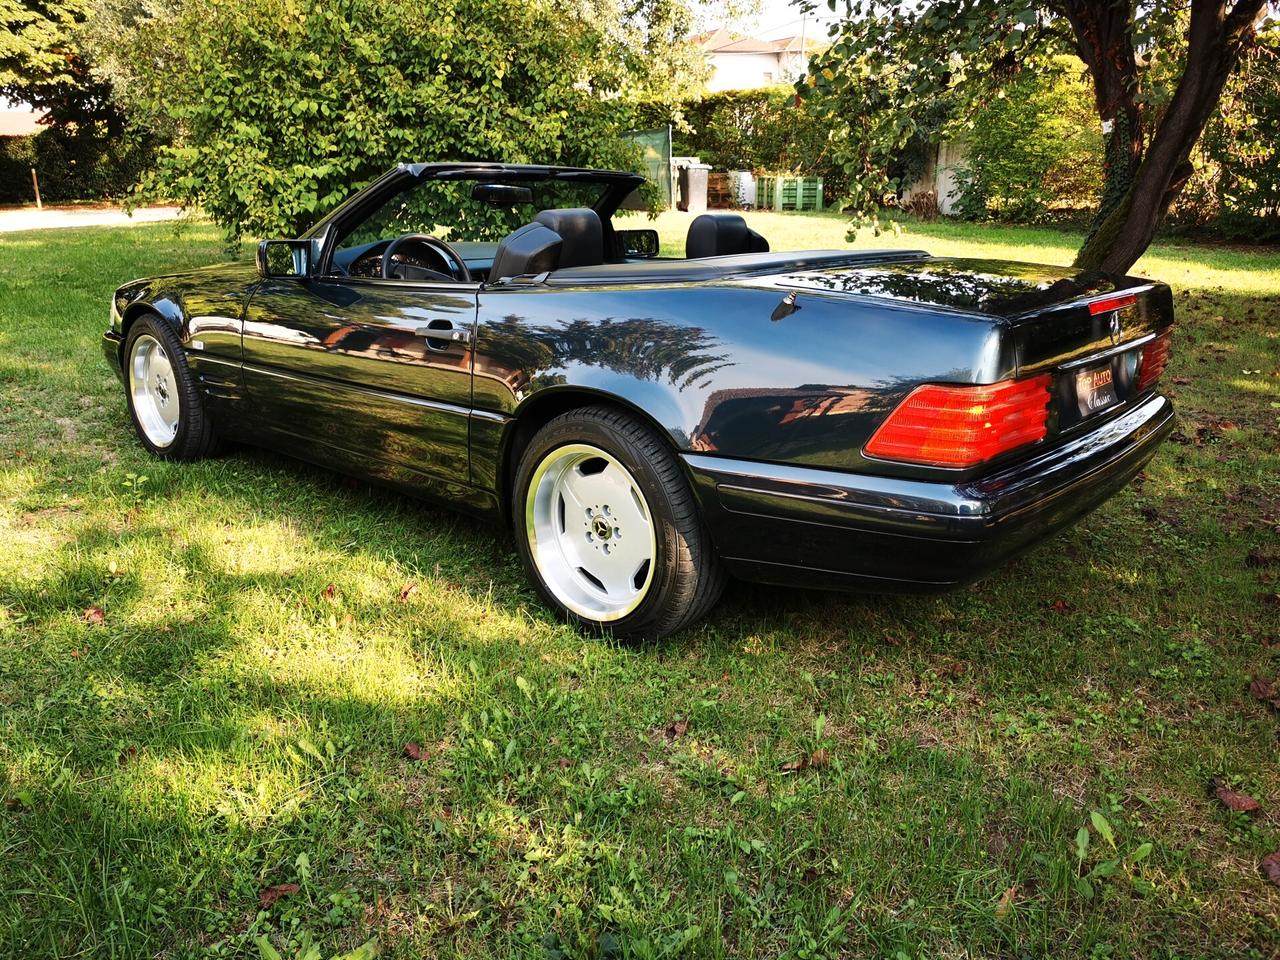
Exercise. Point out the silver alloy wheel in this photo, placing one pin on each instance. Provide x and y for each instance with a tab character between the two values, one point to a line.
590	532
154	390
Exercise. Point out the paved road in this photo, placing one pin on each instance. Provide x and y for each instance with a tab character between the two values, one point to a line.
29	218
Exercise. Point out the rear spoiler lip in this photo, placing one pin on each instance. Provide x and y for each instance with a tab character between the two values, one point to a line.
1137	289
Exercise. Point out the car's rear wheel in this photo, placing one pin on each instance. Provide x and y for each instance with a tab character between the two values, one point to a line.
163	398
609	530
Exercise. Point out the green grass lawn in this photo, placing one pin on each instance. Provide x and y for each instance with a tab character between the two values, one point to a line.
208	675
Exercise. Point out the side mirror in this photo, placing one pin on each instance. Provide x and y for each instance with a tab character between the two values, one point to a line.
638	244
285	259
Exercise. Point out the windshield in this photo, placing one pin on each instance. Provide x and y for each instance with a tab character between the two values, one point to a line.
448	210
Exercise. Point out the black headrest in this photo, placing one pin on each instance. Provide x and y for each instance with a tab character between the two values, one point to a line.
531	249
581	232
722	234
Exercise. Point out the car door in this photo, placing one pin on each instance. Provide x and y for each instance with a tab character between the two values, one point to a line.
371	375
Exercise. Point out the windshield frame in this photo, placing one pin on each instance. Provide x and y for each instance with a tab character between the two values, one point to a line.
617	186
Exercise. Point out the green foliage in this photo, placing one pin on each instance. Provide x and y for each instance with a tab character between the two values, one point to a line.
767	130
283	107
1035	146
41	63
72	165
892	67
89	150
641	48
890	64
755	130
1235	192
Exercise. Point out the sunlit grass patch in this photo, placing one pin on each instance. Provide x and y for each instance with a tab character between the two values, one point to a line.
268	639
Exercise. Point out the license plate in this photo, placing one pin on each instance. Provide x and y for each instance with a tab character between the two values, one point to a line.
1095	389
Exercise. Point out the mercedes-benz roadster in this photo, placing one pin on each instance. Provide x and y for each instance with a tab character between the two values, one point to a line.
490	337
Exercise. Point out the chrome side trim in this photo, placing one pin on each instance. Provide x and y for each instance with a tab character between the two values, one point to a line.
1110	351
888	495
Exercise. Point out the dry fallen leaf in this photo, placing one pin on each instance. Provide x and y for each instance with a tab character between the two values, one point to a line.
1271	867
407	591
816	761
413	751
270	895
94	615
1006	902
1239	802
1265	691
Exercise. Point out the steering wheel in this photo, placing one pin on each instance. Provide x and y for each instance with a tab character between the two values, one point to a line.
411	271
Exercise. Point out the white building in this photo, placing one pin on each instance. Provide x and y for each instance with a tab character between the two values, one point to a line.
745	63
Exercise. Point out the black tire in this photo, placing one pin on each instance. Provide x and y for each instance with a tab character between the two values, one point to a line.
687	576
195	437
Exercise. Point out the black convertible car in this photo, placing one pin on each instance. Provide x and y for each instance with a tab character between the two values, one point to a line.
488	336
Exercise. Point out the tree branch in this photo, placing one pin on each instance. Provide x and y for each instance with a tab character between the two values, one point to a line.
1215	42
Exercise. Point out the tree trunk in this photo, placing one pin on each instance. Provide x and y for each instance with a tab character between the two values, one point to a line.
1215	41
1104	43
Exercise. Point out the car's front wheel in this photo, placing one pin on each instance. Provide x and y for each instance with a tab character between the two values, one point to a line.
164	401
609	530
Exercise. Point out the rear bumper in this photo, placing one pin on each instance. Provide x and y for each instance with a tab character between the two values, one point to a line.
820	528
111	350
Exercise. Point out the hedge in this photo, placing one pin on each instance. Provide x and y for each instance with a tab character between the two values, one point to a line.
71	167
766	130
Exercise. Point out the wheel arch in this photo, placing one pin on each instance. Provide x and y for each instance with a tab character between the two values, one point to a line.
543	407
166	310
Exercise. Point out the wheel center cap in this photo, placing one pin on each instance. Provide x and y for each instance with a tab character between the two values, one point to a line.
601	528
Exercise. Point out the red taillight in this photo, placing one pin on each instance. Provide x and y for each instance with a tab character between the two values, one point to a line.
1155	357
1118	302
959	426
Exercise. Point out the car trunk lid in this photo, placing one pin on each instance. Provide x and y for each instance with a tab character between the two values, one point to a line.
1094	338
1052	314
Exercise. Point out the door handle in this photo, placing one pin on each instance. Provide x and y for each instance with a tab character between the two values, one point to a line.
440	334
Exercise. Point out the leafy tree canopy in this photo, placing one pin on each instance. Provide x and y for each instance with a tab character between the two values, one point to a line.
280	108
41	63
1157	71
1033	149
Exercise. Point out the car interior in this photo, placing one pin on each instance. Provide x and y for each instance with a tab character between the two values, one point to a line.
553	241
559	240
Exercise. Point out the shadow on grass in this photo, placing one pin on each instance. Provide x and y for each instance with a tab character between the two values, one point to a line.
222	724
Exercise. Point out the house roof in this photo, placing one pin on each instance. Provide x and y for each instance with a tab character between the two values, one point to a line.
722	41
